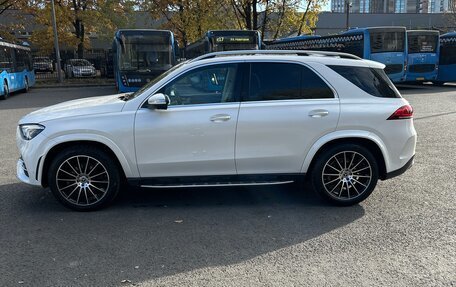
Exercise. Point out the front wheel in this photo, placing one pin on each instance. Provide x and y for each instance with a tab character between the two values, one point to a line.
26	83
345	174
84	178
5	91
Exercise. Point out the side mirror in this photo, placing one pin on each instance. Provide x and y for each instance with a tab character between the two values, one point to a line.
159	101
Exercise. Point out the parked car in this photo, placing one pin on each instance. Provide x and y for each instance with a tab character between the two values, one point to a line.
43	64
79	68
227	119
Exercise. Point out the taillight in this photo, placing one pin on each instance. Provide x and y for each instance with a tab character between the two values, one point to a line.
404	112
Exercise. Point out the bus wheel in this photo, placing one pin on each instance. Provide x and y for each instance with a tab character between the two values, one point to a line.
438	83
5	91
26	88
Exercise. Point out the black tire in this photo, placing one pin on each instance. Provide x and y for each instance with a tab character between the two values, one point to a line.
357	171
6	91
93	178
438	83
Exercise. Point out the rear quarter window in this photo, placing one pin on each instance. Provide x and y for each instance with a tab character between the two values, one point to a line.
373	81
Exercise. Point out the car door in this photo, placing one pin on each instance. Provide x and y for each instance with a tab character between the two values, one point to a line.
287	108
195	135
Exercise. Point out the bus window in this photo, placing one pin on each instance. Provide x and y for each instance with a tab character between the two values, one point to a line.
6	62
382	42
422	43
355	47
21	60
447	54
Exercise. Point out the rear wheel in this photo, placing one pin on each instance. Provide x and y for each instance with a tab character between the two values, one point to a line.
345	174
84	178
5	91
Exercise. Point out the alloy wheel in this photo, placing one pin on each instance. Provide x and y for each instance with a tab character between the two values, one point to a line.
82	180
346	175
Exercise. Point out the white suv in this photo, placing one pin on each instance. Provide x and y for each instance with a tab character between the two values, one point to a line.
227	118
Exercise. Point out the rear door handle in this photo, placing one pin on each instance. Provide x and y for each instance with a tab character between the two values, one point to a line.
220	118
318	113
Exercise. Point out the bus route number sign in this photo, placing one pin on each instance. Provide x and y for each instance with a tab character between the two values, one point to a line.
235	39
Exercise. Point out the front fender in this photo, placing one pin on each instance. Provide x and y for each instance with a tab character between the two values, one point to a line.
128	166
336	135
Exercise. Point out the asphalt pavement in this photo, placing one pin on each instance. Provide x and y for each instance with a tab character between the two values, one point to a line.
404	234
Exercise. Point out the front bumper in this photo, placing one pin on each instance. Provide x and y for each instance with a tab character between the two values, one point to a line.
85	74
22	172
29	163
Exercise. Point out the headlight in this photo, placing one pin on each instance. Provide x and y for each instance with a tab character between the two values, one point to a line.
29	131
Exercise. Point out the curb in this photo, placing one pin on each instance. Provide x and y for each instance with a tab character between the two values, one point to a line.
73	86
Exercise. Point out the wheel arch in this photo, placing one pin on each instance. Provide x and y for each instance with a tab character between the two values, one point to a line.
365	139
3	81
118	157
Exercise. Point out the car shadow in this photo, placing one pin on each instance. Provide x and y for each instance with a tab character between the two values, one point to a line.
150	234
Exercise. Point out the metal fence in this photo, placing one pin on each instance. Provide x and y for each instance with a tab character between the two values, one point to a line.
94	65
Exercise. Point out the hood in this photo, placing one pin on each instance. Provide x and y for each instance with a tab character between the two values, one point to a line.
75	108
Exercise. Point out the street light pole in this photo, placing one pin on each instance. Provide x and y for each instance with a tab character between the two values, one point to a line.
56	44
347	12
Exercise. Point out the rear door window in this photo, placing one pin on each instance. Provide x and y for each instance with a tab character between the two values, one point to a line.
373	81
285	81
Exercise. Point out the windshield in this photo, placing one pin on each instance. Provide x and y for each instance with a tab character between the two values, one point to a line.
422	43
387	41
145	52
156	80
41	59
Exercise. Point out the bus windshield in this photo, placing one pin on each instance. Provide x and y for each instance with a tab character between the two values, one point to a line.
382	42
145	52
422	43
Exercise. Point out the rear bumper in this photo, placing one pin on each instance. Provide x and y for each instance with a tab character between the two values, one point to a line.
401	170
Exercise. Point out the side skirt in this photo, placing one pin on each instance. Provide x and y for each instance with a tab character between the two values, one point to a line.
215	180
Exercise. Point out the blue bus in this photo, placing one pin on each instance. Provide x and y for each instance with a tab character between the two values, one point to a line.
224	40
447	59
16	69
140	55
423	55
387	45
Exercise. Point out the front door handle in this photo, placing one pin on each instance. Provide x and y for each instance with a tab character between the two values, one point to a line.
318	113
220	118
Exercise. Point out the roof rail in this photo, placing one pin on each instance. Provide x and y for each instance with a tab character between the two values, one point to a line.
276	52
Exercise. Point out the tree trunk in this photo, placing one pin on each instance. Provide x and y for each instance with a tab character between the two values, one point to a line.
248	15
279	25
304	17
265	19
79	32
255	15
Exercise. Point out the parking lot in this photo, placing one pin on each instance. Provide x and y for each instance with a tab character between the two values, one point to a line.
404	234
